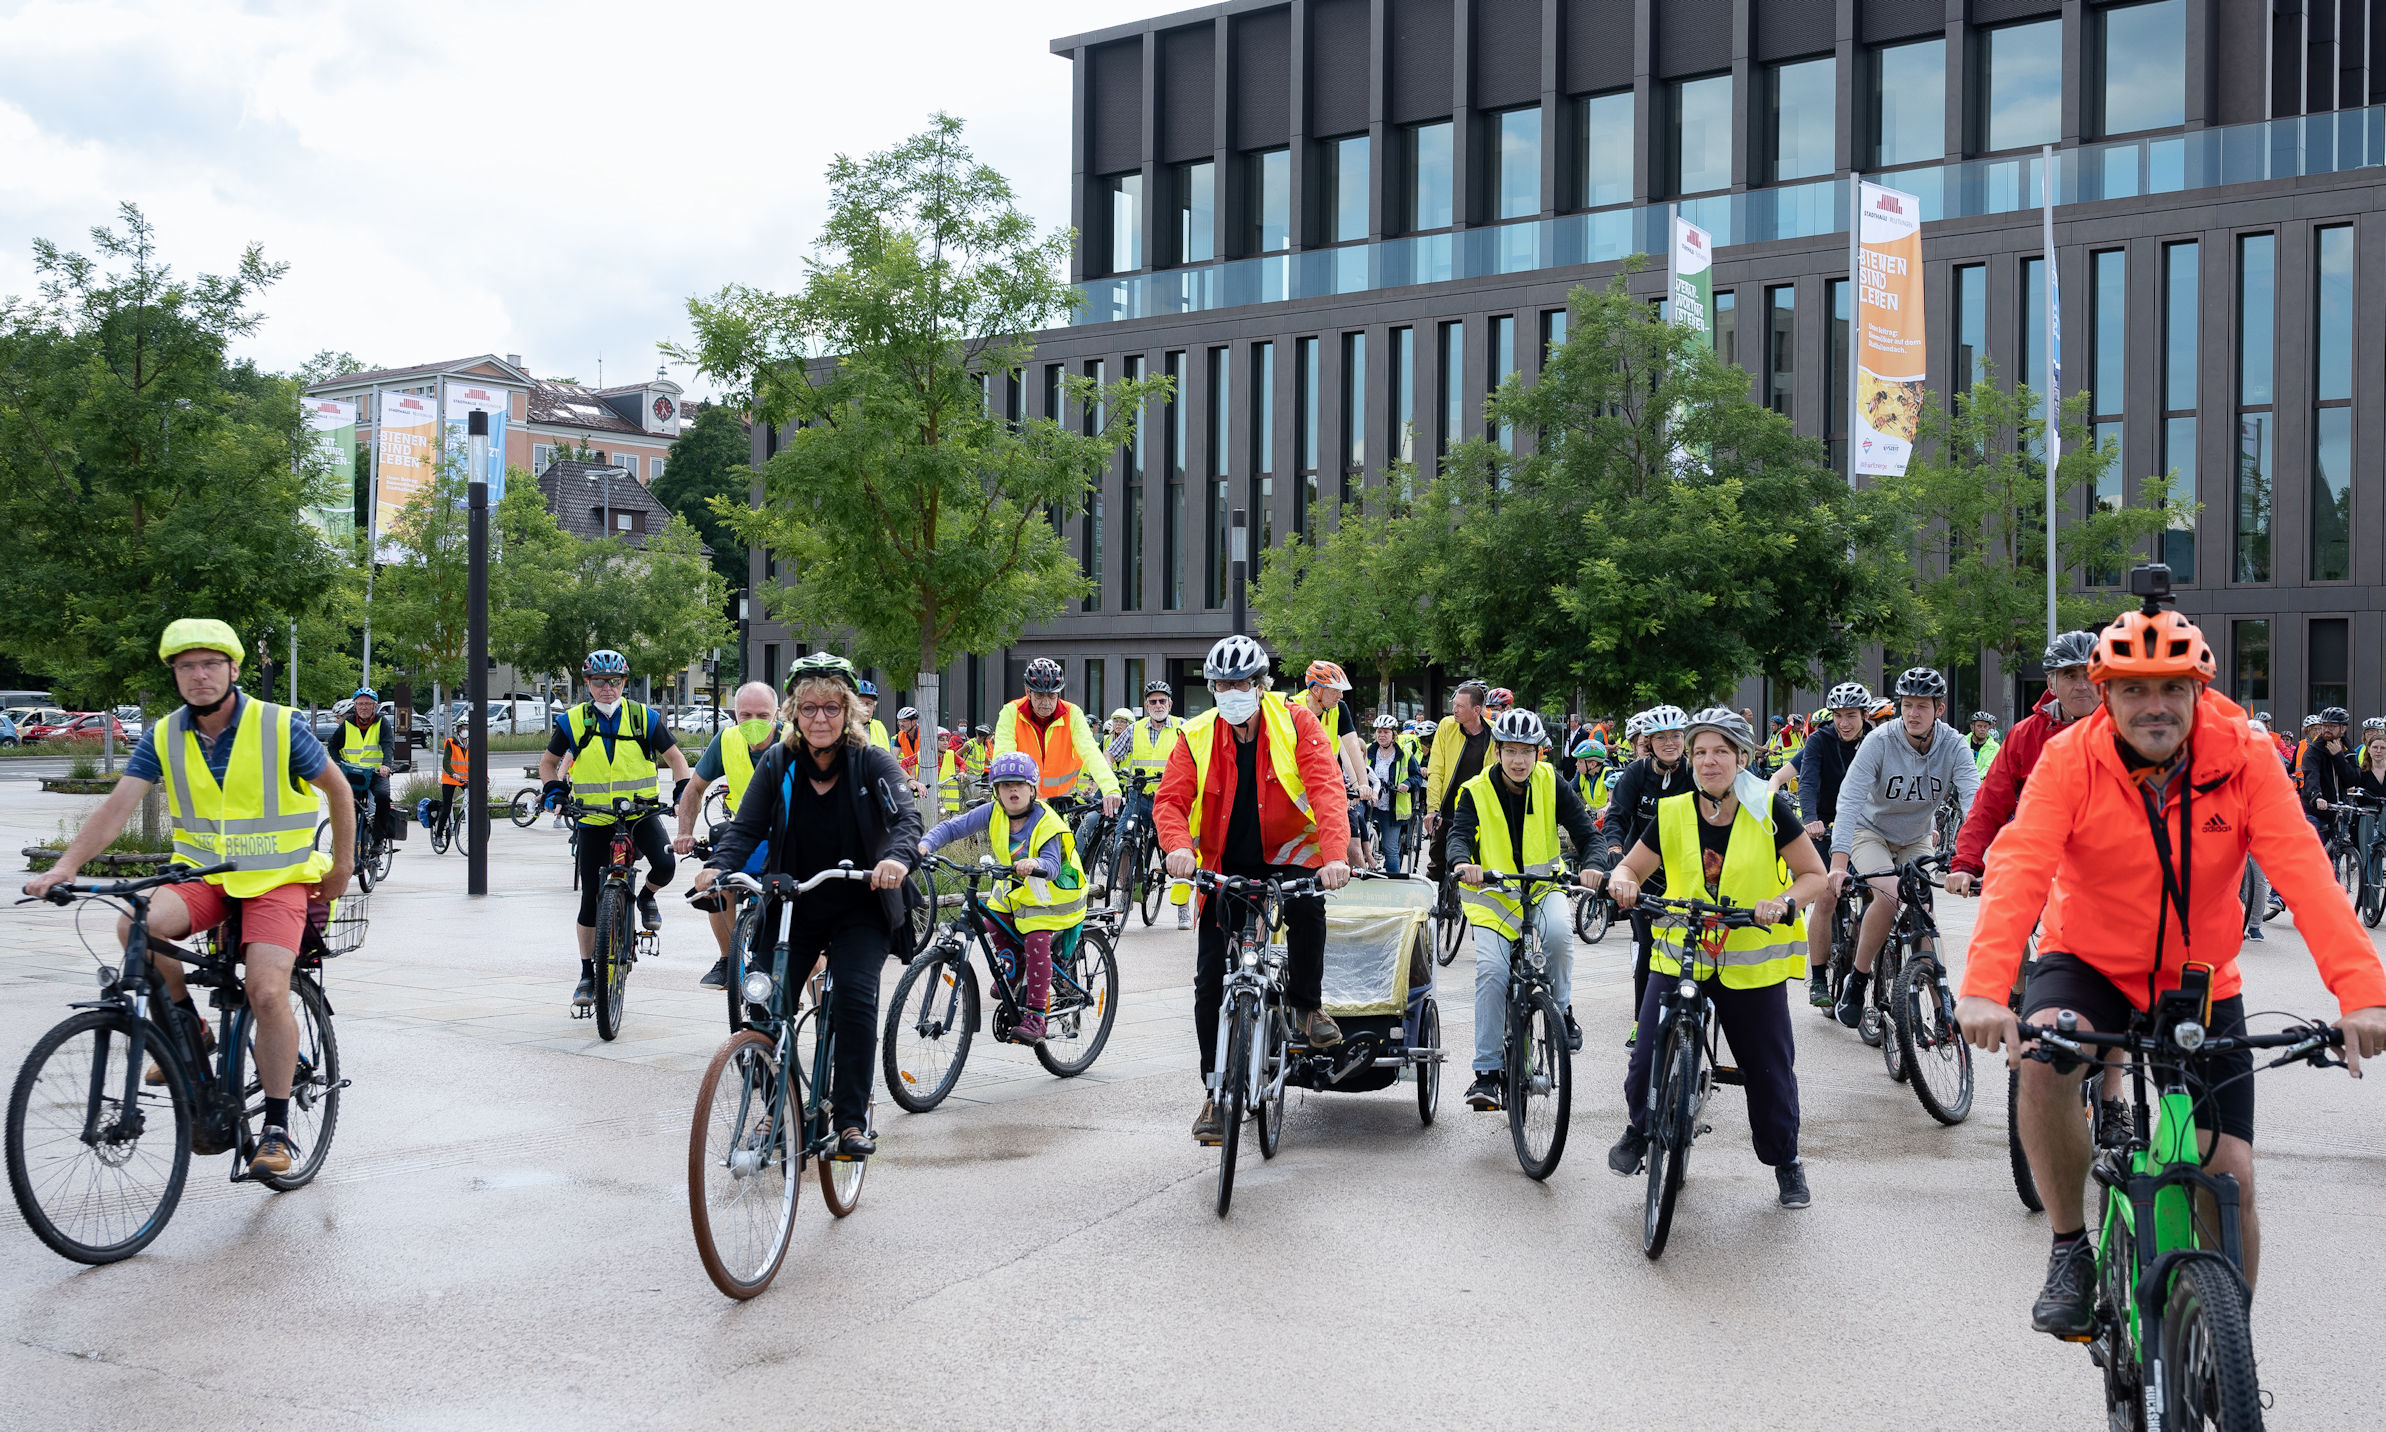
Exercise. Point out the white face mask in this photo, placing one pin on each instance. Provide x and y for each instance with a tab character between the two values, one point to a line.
607	708
1236	707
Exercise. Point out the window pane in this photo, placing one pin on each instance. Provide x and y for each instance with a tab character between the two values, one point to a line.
1404	394
1263	407
1196	212
1519	168
2023	85
1909	103
1781	349
1702	135
2111	491
2109	295
1805	117
2334	322
1305	403
1428	177
2178	456
2250	677
1503	363
2145	66
2179	327
1220	546
1453	386
2328	657
1221	419
1126	222
2255	441
2332	495
1267	201
1727	326
2257	297
1354	410
2033	327
1349	193
1971	324
1172	548
1606	150
1263	519
1835	395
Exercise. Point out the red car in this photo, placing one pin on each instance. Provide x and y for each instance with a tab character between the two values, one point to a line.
81	726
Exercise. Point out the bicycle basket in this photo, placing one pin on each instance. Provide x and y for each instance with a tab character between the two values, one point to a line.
344	930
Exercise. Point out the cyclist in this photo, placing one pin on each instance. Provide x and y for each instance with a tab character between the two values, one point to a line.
1730	838
2070	698
455	770
820	795
2369	779
1117	726
1025	834
1506	822
1822	768
875	728
231	763
2132	836
907	740
366	743
2327	768
1322	688
1056	736
1144	750
616	746
731	757
1393	770
1252	790
1984	741
1461	745
1902	774
1632	815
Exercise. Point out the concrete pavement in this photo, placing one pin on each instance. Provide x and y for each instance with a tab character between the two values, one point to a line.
500	1235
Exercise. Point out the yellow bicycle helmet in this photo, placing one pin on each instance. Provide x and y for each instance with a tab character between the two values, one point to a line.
199	634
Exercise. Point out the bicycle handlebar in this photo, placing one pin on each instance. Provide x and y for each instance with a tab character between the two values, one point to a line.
2302	1041
1215	880
1710	913
624	806
65	892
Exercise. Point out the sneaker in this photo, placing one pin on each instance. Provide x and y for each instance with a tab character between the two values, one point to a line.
1484	1094
1573	1033
1318	1031
2066	1306
1627	1156
584	994
649	913
2256	934
1818	989
718	976
1851	999
1184	916
1029	1030
1205	1123
856	1144
1792	1178
275	1153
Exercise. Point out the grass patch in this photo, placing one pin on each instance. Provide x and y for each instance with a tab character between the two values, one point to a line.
126	843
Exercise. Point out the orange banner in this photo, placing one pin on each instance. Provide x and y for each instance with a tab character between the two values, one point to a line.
1891	359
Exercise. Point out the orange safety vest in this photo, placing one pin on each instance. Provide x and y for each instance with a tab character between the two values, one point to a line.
1054	748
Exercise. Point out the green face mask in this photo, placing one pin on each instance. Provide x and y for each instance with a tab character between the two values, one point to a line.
755	732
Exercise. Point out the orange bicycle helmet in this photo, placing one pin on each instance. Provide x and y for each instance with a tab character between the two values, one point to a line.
2151	642
1326	673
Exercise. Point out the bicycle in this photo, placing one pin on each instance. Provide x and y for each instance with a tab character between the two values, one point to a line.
1877	1025
936	1001
2371	898
1946	825
1449	921
620	941
2172	1335
1254	1020
744	1167
376	853
1932	1057
94	1180
524	807
1125	864
1537	1057
1594	914
450	824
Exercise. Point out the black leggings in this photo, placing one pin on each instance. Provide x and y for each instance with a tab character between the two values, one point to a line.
596	852
1304	957
856	951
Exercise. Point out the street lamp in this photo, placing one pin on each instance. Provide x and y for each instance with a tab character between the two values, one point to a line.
606	476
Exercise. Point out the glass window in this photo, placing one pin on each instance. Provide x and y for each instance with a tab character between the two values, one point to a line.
1404	395
2022	85
2108	300
2333	322
1727	326
1263	517
1130	567
1354	410
2257	424
2332	494
2257	298
1220	545
1096	697
1267	201
1453	387
2255	442
1090	524
1781	345
1701	137
1516	170
1805	99
2328	650
1909	103
1306	402
1196	189
1172	517
2145	66
1605	143
1837	408
1126	221
1503	363
2249	680
1971	325
1346	189
1426	177
2178	457
2178	327
1263	407
1221	416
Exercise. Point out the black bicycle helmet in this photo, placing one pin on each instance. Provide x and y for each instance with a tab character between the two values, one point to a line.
2068	649
1922	681
1044	675
2337	715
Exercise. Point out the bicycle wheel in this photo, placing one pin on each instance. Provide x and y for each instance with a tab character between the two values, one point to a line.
439	835
1593	916
1671	1113
840	1179
1429	1072
460	832
1084	1004
1878	1023
2373	892
925	915
1450	932
1938	1063
1153	886
525	807
314	1086
1540	1085
1242	1021
741	1183
614	942
105	1199
2348	871
2025	1186
1268	1089
2207	1352
716	813
741	955
928	1029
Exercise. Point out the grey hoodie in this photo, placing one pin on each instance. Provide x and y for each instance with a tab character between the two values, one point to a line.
1894	791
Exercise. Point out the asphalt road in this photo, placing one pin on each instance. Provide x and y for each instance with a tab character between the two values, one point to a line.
500	1237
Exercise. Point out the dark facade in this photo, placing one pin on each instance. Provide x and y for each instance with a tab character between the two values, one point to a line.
1339	224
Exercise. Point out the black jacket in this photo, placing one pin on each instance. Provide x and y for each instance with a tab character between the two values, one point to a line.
2327	774
1573	818
1822	765
1632	808
883	811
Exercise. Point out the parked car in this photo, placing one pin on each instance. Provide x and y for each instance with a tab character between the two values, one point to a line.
20	700
42	724
132	718
91	726
8	731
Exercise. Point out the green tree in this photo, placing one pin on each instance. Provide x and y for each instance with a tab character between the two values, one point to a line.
1353	597
328	364
1972	504
709	461
1665	538
912	515
143	475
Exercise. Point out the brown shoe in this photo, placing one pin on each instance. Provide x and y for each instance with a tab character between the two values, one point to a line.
155	1074
1318	1031
1205	1123
275	1152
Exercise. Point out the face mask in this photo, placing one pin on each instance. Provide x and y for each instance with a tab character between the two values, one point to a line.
755	732
607	708
1236	707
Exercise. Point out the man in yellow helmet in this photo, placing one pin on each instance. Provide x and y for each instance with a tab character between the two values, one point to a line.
236	773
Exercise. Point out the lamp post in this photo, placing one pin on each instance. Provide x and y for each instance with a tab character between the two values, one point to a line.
606	475
1236	548
476	659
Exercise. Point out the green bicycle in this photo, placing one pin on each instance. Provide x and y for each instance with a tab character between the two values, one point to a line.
2172	1334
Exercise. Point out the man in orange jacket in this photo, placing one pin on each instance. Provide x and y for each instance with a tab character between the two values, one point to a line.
1253	788
2133	833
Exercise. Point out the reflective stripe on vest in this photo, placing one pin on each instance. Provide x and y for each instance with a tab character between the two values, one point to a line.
1058	764
1752	958
254	818
597	778
1200	738
1036	903
356	750
948	783
1148	753
1495	846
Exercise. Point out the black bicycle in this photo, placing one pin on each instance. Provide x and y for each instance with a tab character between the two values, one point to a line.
450	825
1254	1020
620	940
1932	1056
934	1015
1125	866
1448	919
2355	864
375	851
92	1176
1536	1053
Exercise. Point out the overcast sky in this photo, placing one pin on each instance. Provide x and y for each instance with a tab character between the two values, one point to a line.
546	179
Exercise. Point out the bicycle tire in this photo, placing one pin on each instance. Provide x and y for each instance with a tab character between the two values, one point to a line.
460	823
1450	926
314	1087
1938	1063
1670	1115
611	956
1540	1085
924	916
716	813
2348	871
2207	1352
928	1030
1269	1061
1154	885
439	835
815	1046
841	1183
2025	1186
1240	1020
2373	894
1880	1030
1429	1072
1093	968
762	1194
30	1171
1594	916
524	808
741	945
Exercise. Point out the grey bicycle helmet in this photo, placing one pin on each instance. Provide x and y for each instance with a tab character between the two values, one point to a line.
1984	716
908	713
1922	681
2310	721
1044	675
2068	649
2337	715
1519	727
1849	693
1727	723
2374	723
1659	719
1157	688
1235	658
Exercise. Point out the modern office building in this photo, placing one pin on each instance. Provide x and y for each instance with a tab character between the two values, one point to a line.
1338	224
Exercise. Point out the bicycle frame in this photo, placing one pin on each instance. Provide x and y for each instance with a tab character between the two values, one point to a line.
971	933
777	1018
1254	969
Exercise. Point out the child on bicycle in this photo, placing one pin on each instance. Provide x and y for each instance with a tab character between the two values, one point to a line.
1049	897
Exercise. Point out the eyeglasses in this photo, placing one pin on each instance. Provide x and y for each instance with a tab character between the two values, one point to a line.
606	680
194	668
821	713
1246	684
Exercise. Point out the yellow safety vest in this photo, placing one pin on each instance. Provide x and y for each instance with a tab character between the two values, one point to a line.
1404	767
1147	753
878	736
1037	903
1199	736
1495	846
948	783
1331	723
260	817
1752	958
597	777
356	750
737	762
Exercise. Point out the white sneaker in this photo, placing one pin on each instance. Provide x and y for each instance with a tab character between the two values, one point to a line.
1184	917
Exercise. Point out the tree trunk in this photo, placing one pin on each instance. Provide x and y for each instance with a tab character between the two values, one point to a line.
927	693
1383	685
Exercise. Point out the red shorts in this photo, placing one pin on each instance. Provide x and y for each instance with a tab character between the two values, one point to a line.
277	917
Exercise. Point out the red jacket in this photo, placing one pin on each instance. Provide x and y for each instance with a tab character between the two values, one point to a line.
1279	819
2082	847
2000	788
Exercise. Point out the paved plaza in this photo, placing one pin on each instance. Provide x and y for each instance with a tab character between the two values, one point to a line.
500	1236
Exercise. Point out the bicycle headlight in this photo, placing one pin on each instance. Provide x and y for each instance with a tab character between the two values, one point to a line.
756	986
1688	990
2189	1036
1250	957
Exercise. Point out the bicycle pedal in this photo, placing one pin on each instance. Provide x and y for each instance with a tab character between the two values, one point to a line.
1727	1074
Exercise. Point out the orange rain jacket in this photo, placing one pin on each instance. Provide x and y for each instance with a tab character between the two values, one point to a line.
2081	846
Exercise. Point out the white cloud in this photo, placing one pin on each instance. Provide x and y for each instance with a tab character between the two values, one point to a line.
548	179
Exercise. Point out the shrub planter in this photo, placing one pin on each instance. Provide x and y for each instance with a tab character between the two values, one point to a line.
78	785
118	863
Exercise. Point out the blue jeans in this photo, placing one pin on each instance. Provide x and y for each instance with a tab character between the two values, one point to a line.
1555	915
1388	830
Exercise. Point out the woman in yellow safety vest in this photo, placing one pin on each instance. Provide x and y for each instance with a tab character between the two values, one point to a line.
1048	897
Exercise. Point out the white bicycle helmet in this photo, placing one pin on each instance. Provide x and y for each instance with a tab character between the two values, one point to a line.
1235	658
1519	727
1658	719
1729	724
1849	693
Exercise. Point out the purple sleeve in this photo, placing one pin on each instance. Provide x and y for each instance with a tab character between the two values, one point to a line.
1048	860
960	827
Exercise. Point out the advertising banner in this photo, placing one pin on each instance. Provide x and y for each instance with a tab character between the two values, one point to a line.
1891	361
406	440
1691	278
331	450
464	399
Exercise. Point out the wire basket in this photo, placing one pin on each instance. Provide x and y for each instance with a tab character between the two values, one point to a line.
344	931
